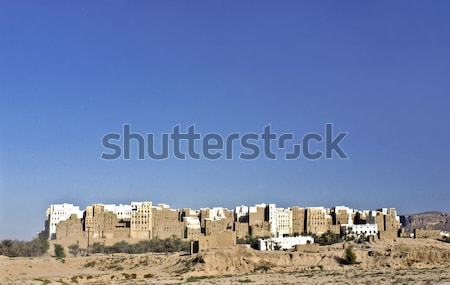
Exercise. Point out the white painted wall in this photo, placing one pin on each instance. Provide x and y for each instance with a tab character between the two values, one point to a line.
283	243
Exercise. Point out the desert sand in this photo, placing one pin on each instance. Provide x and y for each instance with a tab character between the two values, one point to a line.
405	261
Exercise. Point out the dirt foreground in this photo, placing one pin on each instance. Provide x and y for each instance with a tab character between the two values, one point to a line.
405	261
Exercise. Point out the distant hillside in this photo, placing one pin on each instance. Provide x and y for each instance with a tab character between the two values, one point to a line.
427	220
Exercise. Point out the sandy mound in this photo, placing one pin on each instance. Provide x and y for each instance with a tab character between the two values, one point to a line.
426	260
403	254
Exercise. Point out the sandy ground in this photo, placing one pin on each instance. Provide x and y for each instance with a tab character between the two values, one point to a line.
404	261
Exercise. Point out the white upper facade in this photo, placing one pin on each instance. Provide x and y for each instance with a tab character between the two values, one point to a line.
123	212
241	211
192	222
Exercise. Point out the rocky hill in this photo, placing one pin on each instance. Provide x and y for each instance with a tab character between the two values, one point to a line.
427	220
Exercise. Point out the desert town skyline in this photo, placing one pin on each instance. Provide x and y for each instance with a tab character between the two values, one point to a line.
144	220
327	206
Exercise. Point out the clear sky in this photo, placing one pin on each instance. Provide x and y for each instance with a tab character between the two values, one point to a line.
72	71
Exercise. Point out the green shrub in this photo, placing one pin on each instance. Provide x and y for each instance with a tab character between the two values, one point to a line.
349	256
328	238
59	251
97	248
120	247
74	249
263	267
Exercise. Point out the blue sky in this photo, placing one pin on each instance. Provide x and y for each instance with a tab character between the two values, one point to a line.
71	72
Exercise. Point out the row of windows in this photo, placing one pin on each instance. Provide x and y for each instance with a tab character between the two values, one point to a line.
365	232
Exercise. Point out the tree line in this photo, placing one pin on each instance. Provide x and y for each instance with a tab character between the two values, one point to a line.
15	248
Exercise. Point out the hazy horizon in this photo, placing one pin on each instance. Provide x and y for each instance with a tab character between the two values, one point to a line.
69	74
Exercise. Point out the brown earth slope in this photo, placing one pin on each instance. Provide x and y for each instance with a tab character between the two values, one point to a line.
403	261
